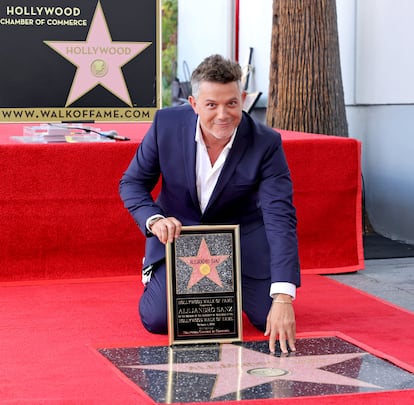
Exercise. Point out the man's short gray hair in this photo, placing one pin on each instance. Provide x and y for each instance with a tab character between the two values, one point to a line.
217	69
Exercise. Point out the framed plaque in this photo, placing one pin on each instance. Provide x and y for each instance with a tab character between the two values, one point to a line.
204	285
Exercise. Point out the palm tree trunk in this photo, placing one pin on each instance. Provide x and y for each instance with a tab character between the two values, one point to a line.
305	91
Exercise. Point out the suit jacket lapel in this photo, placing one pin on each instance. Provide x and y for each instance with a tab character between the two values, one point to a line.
240	144
189	155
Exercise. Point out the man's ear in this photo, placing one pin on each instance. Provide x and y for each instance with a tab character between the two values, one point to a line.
244	95
193	103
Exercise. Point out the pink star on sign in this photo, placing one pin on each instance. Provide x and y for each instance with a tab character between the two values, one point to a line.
204	265
98	60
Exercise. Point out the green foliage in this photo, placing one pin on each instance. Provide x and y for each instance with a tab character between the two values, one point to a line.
169	47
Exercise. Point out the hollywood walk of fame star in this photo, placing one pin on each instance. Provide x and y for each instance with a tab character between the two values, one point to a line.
204	265
98	60
240	368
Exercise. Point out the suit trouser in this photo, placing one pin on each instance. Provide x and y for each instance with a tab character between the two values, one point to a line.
256	301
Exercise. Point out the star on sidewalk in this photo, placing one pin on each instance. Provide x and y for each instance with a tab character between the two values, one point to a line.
204	265
98	60
240	368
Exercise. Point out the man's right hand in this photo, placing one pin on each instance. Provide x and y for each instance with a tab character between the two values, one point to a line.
166	229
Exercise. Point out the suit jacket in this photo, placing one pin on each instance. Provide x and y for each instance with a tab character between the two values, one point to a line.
254	190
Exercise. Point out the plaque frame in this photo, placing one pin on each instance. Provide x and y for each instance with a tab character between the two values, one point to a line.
195	313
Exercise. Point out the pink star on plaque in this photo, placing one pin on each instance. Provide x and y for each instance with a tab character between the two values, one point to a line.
204	265
98	60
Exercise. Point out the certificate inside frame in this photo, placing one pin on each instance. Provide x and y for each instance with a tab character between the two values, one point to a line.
204	285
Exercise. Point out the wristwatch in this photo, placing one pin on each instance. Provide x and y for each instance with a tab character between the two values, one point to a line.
153	221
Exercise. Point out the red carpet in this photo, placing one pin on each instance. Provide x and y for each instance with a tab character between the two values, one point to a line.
61	218
49	332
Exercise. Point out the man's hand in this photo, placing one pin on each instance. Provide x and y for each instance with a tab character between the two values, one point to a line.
166	229
281	323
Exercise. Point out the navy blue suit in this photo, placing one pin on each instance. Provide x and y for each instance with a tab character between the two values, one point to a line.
254	190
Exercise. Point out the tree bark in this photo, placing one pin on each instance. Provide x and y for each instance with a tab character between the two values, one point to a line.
305	90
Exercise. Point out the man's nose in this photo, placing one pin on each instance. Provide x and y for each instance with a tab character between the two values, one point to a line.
222	111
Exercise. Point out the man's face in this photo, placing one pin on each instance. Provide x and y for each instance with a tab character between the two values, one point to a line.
219	107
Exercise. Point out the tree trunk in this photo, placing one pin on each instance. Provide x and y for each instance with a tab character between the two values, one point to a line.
305	91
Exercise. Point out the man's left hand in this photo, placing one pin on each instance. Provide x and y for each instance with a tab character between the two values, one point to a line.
281	323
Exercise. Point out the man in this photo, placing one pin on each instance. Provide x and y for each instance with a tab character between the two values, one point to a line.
218	166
